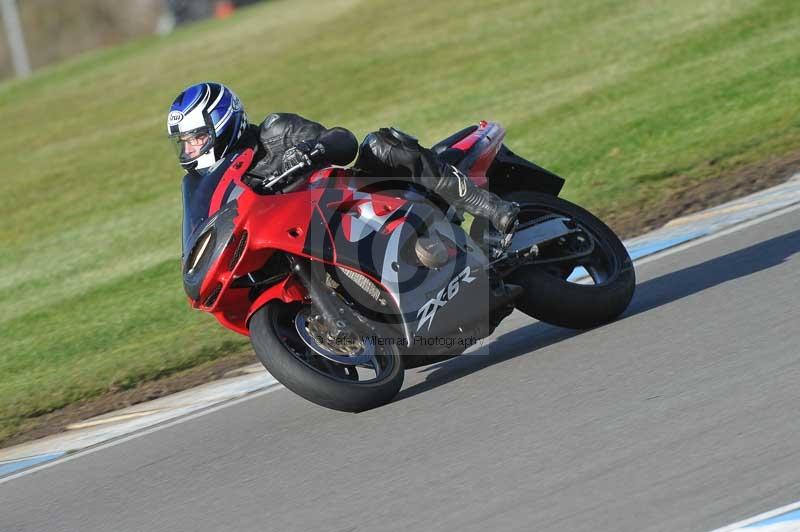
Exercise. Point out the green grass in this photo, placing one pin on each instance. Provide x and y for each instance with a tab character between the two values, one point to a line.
620	96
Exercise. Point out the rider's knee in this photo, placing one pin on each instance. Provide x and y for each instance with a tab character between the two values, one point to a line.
390	153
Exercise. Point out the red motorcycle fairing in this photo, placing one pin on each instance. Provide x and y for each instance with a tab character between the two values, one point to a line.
330	222
242	230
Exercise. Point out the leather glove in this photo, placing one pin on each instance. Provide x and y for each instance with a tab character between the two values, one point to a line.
297	154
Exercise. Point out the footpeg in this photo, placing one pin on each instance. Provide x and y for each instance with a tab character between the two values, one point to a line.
505	241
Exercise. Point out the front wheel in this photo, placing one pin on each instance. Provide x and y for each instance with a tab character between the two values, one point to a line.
350	374
550	295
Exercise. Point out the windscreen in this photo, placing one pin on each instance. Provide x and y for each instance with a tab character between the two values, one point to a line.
198	189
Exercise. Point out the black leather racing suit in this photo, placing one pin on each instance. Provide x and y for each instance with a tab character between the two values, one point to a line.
383	153
279	133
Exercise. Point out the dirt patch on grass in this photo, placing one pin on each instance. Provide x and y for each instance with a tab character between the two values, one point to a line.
682	197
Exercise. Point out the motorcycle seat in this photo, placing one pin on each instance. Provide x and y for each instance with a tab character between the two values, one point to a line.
440	147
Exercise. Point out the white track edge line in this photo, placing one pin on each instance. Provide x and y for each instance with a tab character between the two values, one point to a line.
71	455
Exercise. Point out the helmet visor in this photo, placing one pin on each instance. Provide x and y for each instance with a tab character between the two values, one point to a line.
192	145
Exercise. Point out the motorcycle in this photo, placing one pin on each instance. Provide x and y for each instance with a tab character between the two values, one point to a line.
343	281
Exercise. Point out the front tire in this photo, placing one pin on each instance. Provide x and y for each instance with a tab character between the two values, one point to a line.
287	356
550	297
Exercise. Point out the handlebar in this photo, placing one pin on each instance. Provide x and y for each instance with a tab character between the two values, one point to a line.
315	154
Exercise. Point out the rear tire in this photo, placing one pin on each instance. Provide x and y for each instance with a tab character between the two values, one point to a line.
338	390
549	297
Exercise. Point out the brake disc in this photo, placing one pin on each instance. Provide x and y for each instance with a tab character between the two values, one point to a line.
348	351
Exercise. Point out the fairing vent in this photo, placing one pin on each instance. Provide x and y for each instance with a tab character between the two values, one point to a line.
239	251
212	298
362	282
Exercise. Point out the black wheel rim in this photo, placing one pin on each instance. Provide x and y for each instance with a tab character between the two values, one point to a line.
363	371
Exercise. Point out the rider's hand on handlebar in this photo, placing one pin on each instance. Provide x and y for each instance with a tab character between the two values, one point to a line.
297	154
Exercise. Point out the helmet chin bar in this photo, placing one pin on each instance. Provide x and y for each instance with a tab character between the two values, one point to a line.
205	160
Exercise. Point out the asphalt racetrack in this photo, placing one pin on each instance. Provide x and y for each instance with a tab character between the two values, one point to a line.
682	416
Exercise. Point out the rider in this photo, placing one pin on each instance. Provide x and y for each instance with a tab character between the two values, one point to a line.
207	121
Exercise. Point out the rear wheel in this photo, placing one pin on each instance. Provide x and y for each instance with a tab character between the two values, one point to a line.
351	373
552	294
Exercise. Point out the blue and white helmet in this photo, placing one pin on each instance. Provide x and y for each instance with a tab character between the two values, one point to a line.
204	122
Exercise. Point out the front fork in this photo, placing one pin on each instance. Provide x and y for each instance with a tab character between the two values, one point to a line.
322	298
